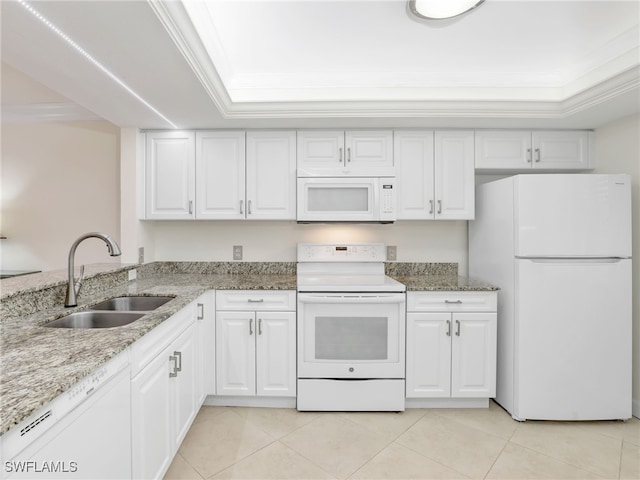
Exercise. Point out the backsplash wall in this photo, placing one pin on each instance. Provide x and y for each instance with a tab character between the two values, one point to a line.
437	241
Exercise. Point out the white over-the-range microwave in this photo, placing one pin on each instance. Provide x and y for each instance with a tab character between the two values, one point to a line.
346	199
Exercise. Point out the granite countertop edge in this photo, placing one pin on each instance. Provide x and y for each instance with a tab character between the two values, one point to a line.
66	356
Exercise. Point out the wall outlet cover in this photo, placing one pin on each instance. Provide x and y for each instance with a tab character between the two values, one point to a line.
237	252
391	253
141	255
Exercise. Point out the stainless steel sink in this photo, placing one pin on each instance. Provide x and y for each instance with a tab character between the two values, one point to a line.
94	319
132	304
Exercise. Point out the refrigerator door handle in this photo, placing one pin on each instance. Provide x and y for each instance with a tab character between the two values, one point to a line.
573	260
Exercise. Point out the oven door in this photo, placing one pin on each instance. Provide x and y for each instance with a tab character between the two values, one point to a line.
342	335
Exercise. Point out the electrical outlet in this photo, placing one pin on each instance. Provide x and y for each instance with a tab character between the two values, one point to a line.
391	253
141	255
237	252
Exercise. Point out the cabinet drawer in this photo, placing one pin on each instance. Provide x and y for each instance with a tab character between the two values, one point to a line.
149	346
256	300
452	301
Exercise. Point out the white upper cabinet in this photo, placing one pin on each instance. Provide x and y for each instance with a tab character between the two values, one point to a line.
271	175
220	167
221	175
329	153
525	150
170	175
256	183
435	174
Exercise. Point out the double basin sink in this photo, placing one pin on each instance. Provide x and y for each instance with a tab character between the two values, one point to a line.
114	312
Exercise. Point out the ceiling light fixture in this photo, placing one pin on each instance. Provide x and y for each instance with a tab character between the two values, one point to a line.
88	56
441	9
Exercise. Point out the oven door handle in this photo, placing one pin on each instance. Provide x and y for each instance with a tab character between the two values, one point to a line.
351	298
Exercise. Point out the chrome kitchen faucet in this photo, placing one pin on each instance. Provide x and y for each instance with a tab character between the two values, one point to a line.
73	287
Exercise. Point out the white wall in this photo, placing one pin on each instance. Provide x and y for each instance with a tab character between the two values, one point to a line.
617	148
59	180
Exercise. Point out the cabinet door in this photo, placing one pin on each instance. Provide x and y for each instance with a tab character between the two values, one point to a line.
184	385
320	152
271	175
235	353
369	153
454	175
276	354
152	449
473	357
413	156
170	175
220	170
564	150
503	149
206	325
428	355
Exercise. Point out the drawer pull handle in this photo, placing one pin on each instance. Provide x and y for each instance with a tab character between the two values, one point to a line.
255	301
453	301
175	366
178	361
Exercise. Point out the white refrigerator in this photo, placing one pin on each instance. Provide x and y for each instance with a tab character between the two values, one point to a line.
559	248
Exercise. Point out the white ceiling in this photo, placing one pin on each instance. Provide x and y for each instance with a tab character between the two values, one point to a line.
297	63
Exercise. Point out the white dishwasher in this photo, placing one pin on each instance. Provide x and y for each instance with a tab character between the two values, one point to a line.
84	433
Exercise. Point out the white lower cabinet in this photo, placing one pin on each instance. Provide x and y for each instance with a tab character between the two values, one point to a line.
451	349
255	343
164	393
206	338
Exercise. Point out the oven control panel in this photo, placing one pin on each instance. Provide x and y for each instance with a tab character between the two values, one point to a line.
342	252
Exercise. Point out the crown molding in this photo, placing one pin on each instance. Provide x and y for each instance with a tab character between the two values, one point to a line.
615	78
46	112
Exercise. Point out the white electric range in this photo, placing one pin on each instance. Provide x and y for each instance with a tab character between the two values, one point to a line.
351	329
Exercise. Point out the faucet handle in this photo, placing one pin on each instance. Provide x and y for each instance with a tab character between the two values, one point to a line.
78	282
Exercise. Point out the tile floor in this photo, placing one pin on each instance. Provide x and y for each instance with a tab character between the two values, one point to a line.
263	443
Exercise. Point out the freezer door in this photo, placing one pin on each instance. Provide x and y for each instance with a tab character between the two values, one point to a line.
573	339
572	215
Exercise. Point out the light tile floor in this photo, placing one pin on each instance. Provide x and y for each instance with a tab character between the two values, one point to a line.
264	443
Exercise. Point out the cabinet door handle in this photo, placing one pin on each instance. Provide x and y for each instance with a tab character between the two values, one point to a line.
241	206
430	206
340	155
349	154
251	326
457	328
439	206
200	311
249	207
259	326
537	155
448	328
528	155
453	301
178	361
175	366
190	207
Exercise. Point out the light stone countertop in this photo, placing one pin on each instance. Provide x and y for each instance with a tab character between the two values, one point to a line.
38	363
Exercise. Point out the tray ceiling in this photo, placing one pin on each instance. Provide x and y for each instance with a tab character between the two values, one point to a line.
278	63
